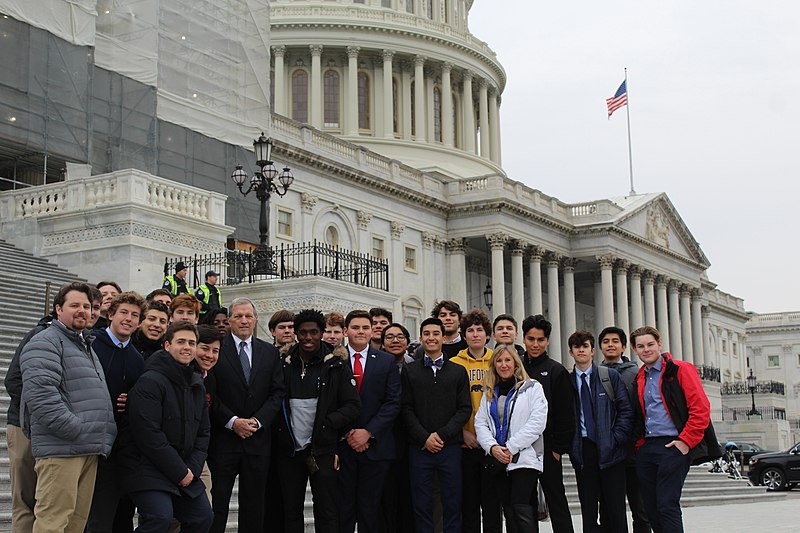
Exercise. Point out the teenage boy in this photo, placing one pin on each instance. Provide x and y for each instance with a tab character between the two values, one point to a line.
673	427
604	418
613	342
185	307
109	290
281	327
436	405
334	329
560	427
380	319
209	343
504	331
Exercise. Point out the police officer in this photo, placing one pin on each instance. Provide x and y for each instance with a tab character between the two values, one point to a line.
176	284
208	294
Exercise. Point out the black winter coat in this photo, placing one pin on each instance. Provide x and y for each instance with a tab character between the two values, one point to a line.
168	418
555	380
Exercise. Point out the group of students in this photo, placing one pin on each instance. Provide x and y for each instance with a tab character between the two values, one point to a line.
445	435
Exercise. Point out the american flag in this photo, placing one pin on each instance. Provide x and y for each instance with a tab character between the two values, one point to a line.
620	99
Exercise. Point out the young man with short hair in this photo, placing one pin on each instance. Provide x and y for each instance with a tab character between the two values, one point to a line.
380	319
176	284
560	428
334	329
148	339
673	428
281	327
159	295
504	331
109	290
449	312
604	419
436	405
209	343
185	307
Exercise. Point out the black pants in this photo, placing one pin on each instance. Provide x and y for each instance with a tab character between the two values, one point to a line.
516	490
478	495
360	490
398	513
294	476
157	508
640	522
252	471
662	472
422	466
552	480
105	501
601	487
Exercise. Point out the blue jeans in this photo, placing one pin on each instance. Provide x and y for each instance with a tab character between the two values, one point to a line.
662	472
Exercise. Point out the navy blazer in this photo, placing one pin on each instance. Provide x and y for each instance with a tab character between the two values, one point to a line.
380	404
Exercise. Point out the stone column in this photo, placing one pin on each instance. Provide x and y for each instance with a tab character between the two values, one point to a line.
316	85
494	125
697	327
497	243
397	254
419	99
429	108
428	255
553	306
447	105
438	247
686	323
474	269
637	320
707	358
570	323
352	90
469	112
649	298
607	281
675	342
661	305
535	274
483	110
517	281
598	301
458	271
388	95
365	243
279	52
622	321
405	76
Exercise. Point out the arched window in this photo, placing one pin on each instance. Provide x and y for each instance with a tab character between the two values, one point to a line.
395	106
363	101
437	114
331	91
413	112
300	95
332	236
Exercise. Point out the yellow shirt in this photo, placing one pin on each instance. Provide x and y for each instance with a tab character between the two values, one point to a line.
475	370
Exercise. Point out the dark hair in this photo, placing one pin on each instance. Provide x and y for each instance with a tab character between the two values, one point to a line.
97	296
308	315
158	292
61	296
476	317
185	300
538	322
209	317
130	297
112	283
579	337
450	305
431	320
645	330
284	315
180	325
505	316
358	313
613	329
156	306
334	318
380	311
208	334
396	325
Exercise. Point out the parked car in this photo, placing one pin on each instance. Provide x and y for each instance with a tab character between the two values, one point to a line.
776	470
748	450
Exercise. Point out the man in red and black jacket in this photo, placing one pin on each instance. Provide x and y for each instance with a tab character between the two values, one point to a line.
673	428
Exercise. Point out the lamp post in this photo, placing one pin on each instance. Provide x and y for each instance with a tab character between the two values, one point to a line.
263	183
751	384
487	295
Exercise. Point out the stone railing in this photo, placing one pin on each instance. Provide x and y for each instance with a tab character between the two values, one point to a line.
762	387
791	318
733	414
124	187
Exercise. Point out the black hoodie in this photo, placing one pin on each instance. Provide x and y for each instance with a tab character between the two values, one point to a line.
146	346
555	381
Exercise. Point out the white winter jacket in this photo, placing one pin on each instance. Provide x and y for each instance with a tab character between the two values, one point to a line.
528	412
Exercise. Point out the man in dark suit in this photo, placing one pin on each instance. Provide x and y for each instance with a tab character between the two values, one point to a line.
367	453
249	392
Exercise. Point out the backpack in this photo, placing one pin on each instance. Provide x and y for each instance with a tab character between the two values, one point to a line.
602	373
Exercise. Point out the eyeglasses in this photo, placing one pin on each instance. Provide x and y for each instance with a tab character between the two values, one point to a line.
389	338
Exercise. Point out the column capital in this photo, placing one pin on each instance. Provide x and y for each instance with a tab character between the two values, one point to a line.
352	52
483	84
756	350
686	290
316	50
569	264
494	92
606	261
428	239
308	202
387	54
518	247
662	281
439	243
553	259
364	218
397	229
446	67
674	286
697	294
536	253
466	75
649	277
497	241
705	312
622	266
278	50
635	272
457	245
419	61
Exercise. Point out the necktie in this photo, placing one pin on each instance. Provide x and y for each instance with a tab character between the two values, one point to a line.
430	362
586	407
244	360
358	371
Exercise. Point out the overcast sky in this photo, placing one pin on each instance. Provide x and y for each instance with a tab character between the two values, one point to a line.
714	90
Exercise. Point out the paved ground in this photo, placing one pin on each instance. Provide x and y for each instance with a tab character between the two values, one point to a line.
774	516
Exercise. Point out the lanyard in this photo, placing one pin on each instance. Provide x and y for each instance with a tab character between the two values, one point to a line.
502	431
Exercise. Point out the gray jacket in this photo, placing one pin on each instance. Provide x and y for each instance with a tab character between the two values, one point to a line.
65	408
627	370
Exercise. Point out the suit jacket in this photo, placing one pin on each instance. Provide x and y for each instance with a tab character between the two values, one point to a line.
380	404
259	398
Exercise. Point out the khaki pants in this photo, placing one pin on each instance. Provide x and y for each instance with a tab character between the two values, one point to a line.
23	480
64	489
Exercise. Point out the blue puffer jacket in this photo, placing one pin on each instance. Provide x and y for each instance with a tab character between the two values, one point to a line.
614	420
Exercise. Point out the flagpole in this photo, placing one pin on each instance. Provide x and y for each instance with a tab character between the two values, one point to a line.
628	116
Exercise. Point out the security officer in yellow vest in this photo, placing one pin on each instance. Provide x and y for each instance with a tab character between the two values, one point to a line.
208	294
176	284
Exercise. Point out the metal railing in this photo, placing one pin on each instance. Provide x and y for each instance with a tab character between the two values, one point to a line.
290	261
743	413
762	387
709	373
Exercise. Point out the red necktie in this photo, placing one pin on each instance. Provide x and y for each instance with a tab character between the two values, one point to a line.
358	371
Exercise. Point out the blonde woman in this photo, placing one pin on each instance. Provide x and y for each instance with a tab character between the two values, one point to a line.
509	426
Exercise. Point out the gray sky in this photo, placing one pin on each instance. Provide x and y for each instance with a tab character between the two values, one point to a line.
714	89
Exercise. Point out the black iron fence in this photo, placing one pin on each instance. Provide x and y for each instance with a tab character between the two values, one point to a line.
745	413
289	261
708	373
762	387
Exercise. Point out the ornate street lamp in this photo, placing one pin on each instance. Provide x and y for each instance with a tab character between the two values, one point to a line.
751	384
263	183
487	295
